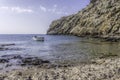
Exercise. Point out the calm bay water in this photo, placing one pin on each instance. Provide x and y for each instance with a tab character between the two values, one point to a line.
69	48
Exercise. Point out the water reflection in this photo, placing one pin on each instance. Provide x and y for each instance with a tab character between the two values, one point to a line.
83	50
61	48
104	48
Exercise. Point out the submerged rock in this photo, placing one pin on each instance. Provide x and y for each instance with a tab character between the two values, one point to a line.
33	61
4	61
99	19
11	44
23	60
4	47
12	56
9	48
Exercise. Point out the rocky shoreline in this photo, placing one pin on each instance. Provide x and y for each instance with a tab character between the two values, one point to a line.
34	68
28	67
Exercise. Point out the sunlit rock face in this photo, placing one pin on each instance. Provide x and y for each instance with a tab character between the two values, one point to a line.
101	18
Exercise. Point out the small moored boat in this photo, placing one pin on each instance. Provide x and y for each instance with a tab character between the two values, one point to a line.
38	38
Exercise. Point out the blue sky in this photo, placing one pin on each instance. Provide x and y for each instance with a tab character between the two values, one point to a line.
34	16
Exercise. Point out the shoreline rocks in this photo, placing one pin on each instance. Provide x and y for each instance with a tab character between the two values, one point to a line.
33	61
105	67
98	69
23	60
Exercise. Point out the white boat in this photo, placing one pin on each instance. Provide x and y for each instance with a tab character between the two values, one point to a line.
38	38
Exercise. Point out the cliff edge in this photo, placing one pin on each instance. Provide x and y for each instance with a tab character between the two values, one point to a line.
101	18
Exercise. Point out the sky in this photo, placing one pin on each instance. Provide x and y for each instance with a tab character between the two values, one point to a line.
34	16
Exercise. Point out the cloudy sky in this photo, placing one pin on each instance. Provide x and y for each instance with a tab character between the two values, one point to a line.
34	16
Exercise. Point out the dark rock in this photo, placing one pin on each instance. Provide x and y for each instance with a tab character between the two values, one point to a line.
2	78
112	39
12	56
4	61
24	60
8	65
33	61
7	48
12	44
19	73
45	61
3	49
16	57
118	70
29	78
108	55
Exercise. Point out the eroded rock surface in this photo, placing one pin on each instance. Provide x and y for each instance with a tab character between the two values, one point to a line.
101	18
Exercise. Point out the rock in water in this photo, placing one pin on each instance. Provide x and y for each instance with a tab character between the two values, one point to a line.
101	18
33	61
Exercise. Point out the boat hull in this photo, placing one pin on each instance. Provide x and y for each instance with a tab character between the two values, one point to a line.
38	38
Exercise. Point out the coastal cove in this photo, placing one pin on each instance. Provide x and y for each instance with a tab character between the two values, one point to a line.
57	47
81	46
19	55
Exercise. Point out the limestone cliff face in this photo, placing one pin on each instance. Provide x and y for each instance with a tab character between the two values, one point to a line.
100	18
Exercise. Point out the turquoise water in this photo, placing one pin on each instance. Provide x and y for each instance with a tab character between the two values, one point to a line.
59	48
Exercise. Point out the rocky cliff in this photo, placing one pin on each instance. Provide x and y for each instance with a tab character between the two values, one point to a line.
101	18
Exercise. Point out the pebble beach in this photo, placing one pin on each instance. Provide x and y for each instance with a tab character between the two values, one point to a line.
97	69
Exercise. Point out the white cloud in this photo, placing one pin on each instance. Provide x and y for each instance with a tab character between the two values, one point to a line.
55	6
43	8
54	10
4	8
16	9
21	10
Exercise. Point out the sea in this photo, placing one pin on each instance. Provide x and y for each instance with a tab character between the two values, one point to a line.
59	48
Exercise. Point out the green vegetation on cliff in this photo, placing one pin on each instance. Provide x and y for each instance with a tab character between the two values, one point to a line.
101	18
